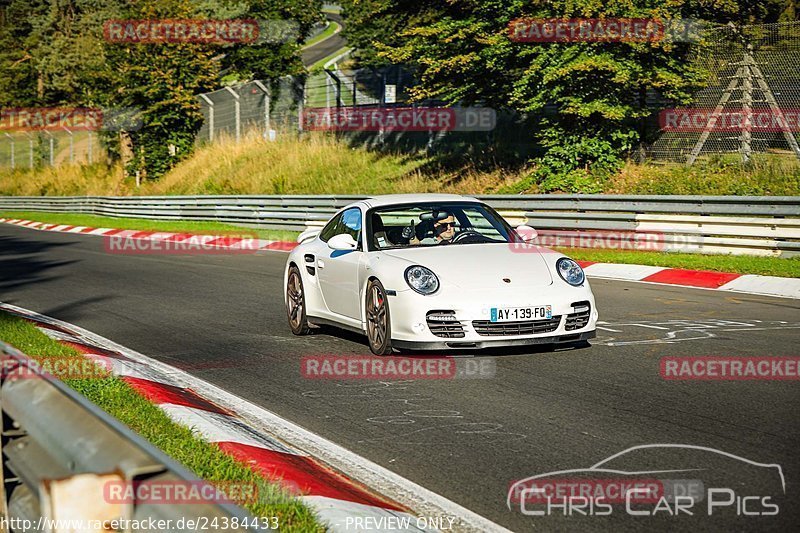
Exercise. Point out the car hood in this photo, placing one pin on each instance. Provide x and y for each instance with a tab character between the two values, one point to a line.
482	266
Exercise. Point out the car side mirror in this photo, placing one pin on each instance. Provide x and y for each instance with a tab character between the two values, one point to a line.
527	233
343	241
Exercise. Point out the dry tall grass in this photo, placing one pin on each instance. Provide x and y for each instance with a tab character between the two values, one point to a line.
315	164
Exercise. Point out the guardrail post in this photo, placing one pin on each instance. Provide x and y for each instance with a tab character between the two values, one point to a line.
65	456
237	112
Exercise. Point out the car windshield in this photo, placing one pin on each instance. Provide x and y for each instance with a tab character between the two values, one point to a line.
432	224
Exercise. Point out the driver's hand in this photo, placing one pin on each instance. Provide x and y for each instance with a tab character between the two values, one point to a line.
408	231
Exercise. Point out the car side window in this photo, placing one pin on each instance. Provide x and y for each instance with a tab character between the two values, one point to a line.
346	222
330	228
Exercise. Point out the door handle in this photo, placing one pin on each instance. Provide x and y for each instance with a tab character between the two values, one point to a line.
320	263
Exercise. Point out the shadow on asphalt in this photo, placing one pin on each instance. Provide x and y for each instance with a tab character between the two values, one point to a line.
20	266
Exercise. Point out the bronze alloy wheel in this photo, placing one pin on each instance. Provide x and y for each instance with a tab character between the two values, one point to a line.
296	302
378	323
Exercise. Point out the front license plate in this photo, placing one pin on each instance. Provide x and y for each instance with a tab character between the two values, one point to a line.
512	314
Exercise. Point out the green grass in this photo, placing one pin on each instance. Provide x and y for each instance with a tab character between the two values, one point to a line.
764	175
206	460
77	219
738	264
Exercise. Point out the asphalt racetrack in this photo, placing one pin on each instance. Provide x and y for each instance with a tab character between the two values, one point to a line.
222	318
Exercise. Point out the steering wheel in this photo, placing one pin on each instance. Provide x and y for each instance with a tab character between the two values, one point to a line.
466	234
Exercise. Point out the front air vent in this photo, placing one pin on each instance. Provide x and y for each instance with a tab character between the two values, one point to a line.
526	327
579	317
444	324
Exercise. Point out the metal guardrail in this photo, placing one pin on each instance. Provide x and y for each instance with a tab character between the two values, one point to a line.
761	225
60	452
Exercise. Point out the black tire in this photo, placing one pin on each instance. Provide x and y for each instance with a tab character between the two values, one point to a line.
379	331
296	302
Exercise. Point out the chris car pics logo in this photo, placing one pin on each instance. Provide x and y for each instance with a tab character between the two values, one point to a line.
671	480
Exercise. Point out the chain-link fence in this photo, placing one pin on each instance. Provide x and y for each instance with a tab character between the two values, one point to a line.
20	150
267	110
262	107
751	103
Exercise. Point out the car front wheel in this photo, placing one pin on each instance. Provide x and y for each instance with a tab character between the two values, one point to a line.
378	323
296	302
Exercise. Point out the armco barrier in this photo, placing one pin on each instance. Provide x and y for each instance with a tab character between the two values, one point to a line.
61	452
757	225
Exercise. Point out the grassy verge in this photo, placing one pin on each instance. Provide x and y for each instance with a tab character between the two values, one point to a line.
141	224
764	175
313	164
738	264
205	459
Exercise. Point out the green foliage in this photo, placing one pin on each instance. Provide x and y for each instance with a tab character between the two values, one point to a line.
461	52
53	52
278	55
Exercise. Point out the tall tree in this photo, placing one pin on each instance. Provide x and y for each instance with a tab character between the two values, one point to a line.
160	81
461	52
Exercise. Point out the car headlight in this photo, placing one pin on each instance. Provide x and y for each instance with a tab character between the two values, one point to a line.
422	279
570	271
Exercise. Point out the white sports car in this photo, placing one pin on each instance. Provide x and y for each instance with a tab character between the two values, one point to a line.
428	271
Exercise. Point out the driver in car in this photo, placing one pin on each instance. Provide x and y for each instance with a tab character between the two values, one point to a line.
443	232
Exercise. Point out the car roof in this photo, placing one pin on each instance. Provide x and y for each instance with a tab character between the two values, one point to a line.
392	199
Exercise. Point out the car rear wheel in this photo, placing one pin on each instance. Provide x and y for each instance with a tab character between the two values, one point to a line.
378	324
296	302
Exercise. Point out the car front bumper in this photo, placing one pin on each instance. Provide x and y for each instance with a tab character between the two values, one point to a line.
411	329
486	342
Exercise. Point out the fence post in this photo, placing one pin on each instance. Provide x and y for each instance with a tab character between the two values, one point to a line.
52	157
210	103
337	87
71	145
30	149
89	155
10	138
299	86
746	149
267	103
237	112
